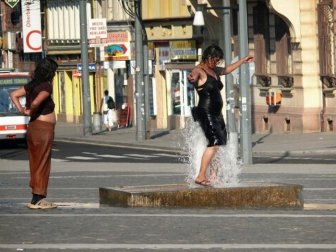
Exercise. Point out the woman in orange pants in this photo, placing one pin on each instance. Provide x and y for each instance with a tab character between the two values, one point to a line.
40	134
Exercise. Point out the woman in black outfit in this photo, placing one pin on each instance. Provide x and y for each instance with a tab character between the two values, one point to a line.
205	78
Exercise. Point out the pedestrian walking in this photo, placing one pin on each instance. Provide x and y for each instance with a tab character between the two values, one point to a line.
206	81
107	106
40	134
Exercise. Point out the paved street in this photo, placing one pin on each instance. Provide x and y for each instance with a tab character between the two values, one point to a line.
73	151
81	224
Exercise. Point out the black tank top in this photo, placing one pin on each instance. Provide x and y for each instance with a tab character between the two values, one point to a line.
210	98
32	90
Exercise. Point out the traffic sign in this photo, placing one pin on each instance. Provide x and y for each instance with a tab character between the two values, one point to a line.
12	3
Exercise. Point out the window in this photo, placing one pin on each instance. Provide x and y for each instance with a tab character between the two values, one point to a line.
261	37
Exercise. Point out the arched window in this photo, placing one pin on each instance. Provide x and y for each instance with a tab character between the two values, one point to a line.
261	37
282	47
326	32
326	37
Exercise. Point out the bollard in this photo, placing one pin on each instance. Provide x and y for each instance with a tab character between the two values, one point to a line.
96	125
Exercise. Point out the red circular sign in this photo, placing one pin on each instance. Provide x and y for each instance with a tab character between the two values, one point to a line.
28	40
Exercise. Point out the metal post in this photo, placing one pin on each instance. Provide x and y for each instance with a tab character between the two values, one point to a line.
139	72
228	78
245	103
87	124
146	81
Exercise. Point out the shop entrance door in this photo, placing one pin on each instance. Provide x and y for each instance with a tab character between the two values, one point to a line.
183	94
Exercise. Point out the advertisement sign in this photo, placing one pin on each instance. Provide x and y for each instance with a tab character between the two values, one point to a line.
183	50
118	46
31	26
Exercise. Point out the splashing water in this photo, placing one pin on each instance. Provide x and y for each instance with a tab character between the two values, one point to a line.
224	168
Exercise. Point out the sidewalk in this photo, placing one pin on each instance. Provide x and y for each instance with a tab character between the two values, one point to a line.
262	144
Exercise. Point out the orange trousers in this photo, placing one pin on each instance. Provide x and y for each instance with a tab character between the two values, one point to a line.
40	138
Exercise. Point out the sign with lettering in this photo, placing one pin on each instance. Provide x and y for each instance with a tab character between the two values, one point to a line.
183	50
91	67
31	26
14	80
97	32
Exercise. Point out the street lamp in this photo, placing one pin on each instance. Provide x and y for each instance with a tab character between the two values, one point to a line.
199	19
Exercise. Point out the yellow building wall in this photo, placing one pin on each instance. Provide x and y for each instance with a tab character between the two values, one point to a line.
77	96
152	9
56	93
73	96
68	96
92	92
161	93
310	57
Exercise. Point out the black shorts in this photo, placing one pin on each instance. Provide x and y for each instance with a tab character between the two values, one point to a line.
213	126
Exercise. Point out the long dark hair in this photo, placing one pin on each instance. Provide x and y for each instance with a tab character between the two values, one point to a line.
44	71
212	51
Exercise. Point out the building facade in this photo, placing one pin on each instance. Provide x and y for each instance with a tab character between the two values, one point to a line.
292	80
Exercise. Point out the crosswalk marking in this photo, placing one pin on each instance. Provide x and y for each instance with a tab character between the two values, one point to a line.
95	156
110	156
139	156
58	160
296	158
166	155
82	158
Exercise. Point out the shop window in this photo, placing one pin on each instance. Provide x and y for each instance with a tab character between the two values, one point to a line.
176	92
16	14
183	94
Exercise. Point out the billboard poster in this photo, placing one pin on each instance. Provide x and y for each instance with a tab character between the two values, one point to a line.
31	26
117	46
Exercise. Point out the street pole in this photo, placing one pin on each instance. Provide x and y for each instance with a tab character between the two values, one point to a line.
139	73
230	102
245	103
146	81
87	128
228	78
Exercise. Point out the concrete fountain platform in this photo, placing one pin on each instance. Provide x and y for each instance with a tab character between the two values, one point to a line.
246	195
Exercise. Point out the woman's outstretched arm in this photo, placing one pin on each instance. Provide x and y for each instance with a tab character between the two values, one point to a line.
228	69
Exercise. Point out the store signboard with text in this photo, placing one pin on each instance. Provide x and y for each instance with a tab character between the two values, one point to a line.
183	50
31	26
97	32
